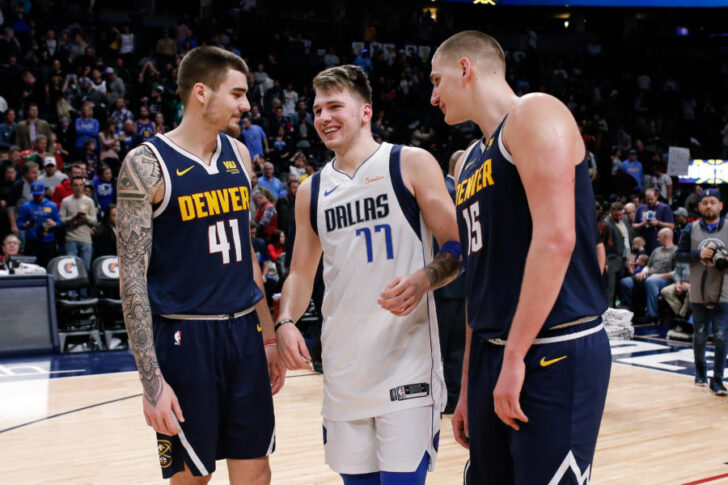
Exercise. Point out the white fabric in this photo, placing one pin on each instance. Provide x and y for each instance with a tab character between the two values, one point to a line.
395	442
368	352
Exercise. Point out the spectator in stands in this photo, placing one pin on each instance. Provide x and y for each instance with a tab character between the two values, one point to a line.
11	247
41	147
617	246
129	138
8	130
285	206
87	128
64	189
29	129
703	247
681	222
656	276
58	151
255	139
9	194
651	217
265	215
104	187
78	214
331	59
104	238
115	87
120	114
110	146
31	172
298	165
661	182
90	158
270	181
145	127
676	294
633	167
39	218
290	100
51	177
277	245
692	200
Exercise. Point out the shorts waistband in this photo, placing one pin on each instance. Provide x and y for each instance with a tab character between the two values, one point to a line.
563	332
221	316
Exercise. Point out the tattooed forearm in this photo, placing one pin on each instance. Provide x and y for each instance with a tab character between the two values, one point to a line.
139	179
442	270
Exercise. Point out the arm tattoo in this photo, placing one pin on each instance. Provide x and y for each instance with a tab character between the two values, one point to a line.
442	270
140	177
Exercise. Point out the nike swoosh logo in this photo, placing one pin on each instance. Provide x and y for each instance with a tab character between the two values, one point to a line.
180	173
546	363
328	192
260	329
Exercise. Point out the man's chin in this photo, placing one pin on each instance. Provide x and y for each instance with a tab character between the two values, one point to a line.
233	130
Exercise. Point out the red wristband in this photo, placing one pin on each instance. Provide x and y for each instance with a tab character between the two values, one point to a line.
270	341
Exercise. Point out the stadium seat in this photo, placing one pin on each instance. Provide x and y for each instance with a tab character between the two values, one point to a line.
105	273
76	315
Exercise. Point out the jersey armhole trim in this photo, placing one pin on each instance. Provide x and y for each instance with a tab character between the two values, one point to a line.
167	181
502	147
406	200
313	206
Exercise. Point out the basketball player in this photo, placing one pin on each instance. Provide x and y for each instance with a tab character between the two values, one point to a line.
537	359
372	211
189	290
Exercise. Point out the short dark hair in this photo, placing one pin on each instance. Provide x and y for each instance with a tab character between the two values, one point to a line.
475	45
349	77
616	206
207	65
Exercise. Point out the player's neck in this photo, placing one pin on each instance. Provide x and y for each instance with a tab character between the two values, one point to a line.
493	104
349	158
197	138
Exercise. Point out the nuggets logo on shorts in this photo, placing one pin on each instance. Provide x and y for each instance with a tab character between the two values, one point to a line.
165	453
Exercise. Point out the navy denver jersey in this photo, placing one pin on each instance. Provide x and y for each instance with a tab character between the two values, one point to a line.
495	228
201	259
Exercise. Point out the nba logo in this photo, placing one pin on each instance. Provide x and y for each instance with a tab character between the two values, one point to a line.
178	337
400	393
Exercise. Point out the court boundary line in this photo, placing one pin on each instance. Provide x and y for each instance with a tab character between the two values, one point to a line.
71	411
706	480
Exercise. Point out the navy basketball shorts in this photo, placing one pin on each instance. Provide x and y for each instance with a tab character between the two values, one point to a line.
219	372
563	396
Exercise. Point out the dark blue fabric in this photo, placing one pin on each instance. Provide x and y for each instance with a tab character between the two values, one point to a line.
406	200
313	206
563	402
186	273
416	477
219	372
496	238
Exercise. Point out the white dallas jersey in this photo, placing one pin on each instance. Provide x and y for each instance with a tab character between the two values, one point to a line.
371	231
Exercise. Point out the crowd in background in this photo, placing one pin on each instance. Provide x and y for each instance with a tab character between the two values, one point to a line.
81	89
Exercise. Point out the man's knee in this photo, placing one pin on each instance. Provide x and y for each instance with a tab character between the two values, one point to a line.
186	478
249	472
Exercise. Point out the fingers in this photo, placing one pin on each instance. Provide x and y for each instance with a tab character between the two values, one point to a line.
460	430
303	349
399	297
177	410
509	410
170	423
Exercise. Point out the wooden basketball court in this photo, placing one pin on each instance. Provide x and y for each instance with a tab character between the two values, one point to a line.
658	428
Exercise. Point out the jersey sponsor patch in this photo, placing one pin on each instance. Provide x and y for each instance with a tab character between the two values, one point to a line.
164	447
409	391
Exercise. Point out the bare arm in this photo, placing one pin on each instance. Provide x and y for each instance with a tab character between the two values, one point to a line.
546	146
423	178
601	256
276	371
140	180
297	289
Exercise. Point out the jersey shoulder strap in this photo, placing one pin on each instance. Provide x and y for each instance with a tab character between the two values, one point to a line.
313	206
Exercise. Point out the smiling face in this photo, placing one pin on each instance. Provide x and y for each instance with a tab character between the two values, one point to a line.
447	87
339	116
225	105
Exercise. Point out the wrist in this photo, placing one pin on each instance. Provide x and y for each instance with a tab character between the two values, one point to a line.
282	322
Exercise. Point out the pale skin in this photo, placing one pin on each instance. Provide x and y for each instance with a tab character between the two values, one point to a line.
207	112
544	140
651	199
343	121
